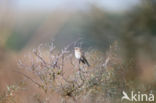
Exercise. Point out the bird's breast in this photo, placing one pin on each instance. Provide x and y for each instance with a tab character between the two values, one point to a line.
77	55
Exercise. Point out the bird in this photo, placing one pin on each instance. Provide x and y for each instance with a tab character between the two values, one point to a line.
79	54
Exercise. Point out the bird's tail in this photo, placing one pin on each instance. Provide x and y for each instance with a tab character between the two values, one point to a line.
85	61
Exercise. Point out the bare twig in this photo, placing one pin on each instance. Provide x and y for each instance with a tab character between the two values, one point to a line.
39	85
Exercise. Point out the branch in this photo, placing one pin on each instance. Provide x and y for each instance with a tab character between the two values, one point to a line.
28	78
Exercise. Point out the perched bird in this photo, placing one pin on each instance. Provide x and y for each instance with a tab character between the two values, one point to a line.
80	56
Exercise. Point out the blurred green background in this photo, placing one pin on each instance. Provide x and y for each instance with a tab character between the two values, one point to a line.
98	23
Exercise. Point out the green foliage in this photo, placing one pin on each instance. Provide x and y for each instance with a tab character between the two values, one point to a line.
17	41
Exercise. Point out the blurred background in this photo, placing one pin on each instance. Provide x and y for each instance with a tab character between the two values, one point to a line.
24	24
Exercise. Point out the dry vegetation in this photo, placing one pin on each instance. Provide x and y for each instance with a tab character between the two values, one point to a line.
58	75
59	72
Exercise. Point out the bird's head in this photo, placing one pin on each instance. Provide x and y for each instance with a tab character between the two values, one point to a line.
77	49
